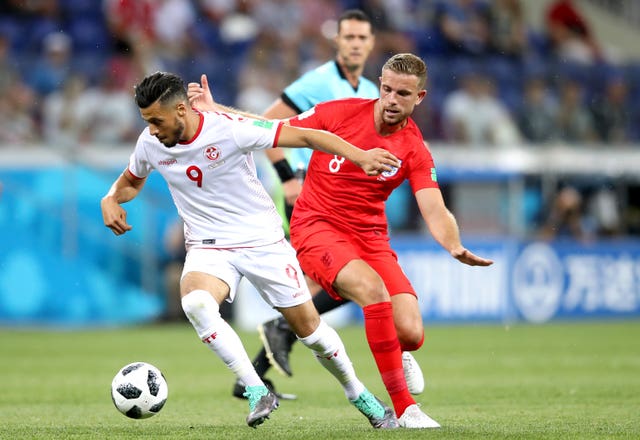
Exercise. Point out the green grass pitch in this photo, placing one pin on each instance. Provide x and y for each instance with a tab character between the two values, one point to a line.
556	381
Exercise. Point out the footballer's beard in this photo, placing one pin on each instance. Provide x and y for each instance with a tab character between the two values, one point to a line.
392	118
175	136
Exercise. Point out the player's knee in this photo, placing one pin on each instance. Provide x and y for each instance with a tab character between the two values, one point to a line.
303	319
202	310
411	339
197	300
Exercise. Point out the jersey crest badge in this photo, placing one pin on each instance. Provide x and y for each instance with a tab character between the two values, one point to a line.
212	153
388	174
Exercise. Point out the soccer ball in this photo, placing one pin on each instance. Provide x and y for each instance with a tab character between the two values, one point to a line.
139	390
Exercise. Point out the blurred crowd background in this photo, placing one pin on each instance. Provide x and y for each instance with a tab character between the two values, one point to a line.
502	73
540	73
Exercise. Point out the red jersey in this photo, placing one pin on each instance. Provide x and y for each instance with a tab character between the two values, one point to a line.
339	192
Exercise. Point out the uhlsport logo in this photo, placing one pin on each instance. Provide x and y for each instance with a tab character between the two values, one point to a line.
212	153
167	162
538	281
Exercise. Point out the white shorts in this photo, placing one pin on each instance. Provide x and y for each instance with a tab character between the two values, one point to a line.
273	270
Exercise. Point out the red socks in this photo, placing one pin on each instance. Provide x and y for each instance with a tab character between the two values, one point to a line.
384	344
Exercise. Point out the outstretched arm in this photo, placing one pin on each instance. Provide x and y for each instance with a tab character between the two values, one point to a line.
373	161
125	188
278	110
444	228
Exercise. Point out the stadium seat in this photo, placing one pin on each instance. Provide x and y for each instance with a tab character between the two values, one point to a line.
539	45
91	65
429	42
534	67
89	35
34	31
567	70
12	29
221	76
207	35
82	8
505	71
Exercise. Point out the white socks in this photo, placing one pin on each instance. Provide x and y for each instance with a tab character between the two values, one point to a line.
204	314
330	352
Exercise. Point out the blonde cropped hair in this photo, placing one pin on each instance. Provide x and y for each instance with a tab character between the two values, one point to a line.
408	64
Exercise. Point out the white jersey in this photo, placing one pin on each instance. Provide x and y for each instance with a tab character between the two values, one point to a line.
213	181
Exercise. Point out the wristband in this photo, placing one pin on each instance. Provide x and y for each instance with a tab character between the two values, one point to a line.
284	170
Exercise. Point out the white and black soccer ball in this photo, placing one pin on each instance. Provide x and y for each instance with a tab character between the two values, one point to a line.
139	390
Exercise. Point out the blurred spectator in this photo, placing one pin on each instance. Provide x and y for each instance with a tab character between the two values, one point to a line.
320	49
237	33
566	218
130	20
231	18
8	72
17	124
112	113
604	207
387	20
280	33
217	10
53	66
9	78
508	28
79	114
318	29
318	18
538	114
265	53
575	125
64	114
48	8
473	115
173	41
131	24
464	25
130	62
280	17
259	87
610	112
583	214
570	35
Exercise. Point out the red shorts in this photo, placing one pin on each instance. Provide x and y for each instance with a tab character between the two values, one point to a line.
323	251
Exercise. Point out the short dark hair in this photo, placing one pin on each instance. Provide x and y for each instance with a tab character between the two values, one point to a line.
409	64
354	14
161	86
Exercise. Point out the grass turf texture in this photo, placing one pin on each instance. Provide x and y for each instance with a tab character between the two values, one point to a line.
558	381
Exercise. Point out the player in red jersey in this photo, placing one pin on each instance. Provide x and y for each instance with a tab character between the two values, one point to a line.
339	227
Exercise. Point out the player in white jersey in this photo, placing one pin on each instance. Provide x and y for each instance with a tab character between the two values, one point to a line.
232	229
